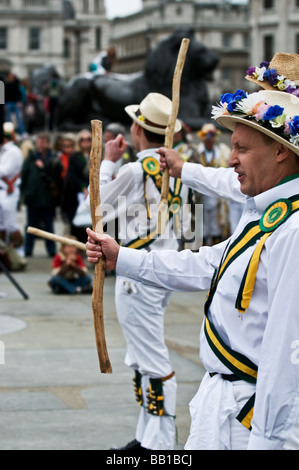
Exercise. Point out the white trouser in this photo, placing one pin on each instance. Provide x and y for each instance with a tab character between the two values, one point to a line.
213	416
8	210
140	311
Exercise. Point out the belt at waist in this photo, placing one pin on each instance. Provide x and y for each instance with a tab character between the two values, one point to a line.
229	377
168	377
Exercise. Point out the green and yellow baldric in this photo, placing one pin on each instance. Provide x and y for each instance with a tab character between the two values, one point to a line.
151	169
257	231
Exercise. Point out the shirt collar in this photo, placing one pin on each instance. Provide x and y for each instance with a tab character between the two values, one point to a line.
285	189
148	153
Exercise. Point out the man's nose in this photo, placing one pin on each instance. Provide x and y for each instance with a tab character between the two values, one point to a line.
233	159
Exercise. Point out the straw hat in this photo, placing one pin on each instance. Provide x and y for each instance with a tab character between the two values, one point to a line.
9	129
286	66
273	113
153	113
208	131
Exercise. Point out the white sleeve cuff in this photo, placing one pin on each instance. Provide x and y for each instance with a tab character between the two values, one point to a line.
128	262
262	443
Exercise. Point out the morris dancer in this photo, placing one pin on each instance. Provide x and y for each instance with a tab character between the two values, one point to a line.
11	161
140	309
249	339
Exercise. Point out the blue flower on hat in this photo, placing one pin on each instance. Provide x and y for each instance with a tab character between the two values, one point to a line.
294	126
273	112
232	99
271	76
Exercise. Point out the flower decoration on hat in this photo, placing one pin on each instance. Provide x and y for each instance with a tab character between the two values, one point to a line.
264	73
208	131
254	108
141	118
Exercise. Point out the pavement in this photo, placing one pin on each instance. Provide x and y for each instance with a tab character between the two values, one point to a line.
52	393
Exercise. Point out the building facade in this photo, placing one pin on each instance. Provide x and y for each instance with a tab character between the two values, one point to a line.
70	33
65	33
274	28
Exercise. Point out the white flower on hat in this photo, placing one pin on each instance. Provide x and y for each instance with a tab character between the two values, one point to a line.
294	139
248	105
219	110
260	73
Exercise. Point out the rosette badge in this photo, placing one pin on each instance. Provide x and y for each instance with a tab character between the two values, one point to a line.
271	112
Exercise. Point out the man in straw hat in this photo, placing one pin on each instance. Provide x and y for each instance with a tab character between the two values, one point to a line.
136	190
248	398
281	74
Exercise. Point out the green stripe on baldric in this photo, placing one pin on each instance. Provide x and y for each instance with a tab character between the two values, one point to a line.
246	413
238	364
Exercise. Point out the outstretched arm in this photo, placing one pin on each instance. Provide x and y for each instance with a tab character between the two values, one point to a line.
168	269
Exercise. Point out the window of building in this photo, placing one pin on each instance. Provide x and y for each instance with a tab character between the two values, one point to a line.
3	38
268	4
268	47
226	74
297	43
227	40
98	33
66	48
246	41
85	6
98	6
34	38
35	3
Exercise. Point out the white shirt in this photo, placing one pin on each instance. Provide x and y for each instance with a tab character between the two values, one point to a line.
268	332
123	197
11	161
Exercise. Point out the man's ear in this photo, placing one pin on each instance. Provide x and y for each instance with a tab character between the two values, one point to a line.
282	153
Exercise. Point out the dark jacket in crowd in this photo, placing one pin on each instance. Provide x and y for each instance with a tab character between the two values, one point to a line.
40	186
12	91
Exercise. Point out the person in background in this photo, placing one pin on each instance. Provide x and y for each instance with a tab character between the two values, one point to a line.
183	143
76	182
40	190
69	272
11	161
212	154
13	102
103	62
68	148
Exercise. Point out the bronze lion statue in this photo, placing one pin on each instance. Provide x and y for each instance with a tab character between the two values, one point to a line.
89	96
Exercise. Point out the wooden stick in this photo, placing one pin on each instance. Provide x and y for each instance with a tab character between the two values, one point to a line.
56	238
163	205
99	274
